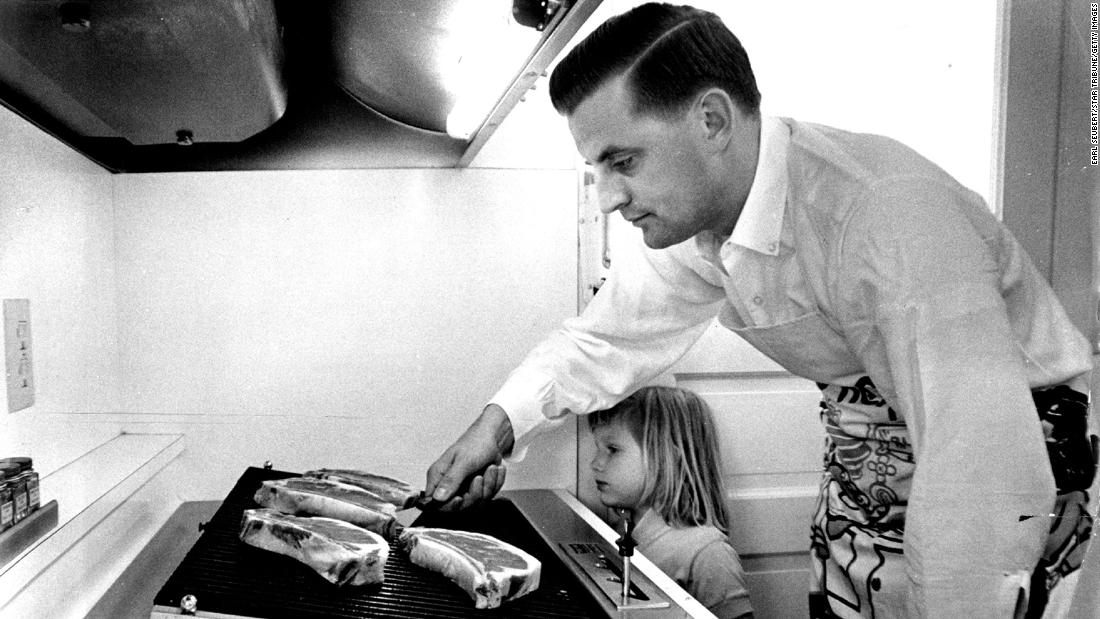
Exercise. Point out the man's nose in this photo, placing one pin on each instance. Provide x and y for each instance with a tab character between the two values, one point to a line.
611	193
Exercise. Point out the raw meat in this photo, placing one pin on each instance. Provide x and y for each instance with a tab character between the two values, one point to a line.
306	496
488	570
402	494
342	553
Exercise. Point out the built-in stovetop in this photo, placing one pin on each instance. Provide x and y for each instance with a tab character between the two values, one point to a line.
225	578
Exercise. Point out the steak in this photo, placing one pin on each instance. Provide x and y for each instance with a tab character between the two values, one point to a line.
342	553
488	570
400	493
306	496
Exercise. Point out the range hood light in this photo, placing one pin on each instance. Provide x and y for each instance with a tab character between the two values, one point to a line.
490	55
469	112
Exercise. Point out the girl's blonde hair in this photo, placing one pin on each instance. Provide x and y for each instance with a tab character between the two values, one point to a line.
679	442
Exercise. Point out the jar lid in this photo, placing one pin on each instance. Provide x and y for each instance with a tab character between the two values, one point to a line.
22	462
9	470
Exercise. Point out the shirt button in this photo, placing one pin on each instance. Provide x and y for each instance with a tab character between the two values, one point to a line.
758	299
771	247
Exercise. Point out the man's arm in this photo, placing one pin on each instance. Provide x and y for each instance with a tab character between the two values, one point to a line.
653	307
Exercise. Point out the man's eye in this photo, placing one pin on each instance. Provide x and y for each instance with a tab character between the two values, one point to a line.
624	164
612	449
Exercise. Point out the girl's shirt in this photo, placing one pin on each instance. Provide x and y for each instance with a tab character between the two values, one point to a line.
700	559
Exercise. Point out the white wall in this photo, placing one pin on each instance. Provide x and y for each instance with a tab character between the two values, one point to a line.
57	249
357	318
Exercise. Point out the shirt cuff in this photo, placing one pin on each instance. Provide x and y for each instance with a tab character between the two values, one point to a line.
525	399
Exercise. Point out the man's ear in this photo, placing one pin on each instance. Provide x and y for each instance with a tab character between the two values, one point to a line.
716	113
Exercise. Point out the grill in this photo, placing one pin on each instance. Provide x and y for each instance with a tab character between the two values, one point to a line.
231	579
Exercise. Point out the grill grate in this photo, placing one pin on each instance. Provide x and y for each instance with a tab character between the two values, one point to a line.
231	578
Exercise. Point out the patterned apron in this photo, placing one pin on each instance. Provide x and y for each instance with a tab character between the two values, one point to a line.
858	526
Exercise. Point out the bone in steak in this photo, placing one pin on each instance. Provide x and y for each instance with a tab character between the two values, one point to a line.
402	494
488	570
342	553
306	496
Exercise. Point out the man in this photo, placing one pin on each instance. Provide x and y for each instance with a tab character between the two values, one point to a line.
957	458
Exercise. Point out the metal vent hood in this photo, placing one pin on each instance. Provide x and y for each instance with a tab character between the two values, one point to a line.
190	85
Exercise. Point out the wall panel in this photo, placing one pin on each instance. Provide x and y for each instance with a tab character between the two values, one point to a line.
362	316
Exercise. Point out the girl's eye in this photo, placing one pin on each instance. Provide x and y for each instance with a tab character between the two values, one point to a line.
612	449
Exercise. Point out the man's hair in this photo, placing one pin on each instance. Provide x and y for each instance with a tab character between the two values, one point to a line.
668	53
679	441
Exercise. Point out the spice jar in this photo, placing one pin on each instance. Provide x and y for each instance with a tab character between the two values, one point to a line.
20	485
8	475
7	504
34	494
30	475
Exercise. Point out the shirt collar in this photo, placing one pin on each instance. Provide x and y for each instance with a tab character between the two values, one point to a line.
761	220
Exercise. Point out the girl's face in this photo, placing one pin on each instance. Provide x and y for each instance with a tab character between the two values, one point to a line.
618	466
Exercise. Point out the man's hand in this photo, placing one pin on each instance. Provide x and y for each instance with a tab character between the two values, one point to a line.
475	457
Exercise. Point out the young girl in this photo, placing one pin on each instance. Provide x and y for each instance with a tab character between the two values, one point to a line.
657	455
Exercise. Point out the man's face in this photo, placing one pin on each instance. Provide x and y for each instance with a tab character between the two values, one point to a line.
653	171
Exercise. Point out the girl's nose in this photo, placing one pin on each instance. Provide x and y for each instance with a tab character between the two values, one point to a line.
596	464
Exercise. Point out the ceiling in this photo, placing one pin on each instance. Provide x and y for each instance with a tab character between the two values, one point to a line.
188	85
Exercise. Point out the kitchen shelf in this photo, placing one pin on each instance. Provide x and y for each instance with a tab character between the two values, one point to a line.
86	492
27	531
